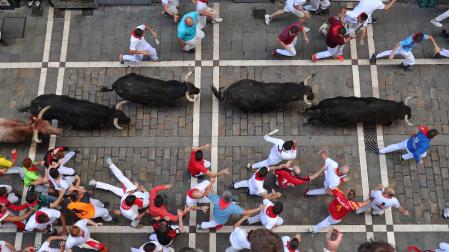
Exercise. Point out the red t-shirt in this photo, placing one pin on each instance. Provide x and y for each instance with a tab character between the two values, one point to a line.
285	178
341	206
159	211
285	35
333	39
196	167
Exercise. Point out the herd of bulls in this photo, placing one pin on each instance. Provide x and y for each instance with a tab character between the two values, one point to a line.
247	95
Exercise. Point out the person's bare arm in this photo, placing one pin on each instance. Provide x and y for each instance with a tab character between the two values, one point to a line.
205	13
271	196
404	211
306	39
389	5
180	222
364	203
436	48
181	43
59	199
250	212
93	223
217	174
317	173
64	224
20	218
203	147
239	222
77	181
363	35
209	187
202	208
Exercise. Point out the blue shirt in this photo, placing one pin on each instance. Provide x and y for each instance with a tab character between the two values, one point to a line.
418	144
221	216
186	32
408	44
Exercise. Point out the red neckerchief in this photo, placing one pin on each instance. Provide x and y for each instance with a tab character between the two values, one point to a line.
424	130
32	168
34	203
339	172
126	207
39	213
270	212
138	202
134	35
223	204
204	1
258	177
190	192
289	248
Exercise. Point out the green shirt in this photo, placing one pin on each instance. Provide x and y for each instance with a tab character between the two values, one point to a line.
29	177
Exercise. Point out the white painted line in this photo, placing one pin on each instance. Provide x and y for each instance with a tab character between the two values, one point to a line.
65	36
18	65
212	242
216	35
299	228
284	63
109	64
48	33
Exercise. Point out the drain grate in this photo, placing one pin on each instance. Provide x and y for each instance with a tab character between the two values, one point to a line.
370	139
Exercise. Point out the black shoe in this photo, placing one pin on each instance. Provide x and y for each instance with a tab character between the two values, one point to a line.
402	160
316	12
373	20
305	194
106	204
274	53
437	56
373	59
406	68
245	223
190	51
444	33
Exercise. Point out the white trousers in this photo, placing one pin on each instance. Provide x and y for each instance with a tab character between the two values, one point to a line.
289	49
315	5
231	249
442	247
208	224
320	191
100	211
256	219
172	7
443	52
124	180
273	158
408	56
374	211
203	19
442	16
338	50
400	146
16	170
329	221
290	8
191	44
139	57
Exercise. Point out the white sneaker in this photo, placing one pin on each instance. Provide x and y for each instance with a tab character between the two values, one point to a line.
92	182
30	3
107	218
216	20
446	213
306	29
267	19
109	161
311	230
37	3
436	23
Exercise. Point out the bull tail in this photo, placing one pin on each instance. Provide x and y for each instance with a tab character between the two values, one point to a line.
218	93
106	89
24	109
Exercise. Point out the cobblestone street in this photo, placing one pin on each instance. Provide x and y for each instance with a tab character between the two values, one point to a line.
70	53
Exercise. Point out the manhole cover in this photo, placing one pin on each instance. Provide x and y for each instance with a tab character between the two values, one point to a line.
13	27
370	135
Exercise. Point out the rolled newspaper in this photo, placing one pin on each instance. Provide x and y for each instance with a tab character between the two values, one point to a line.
273	132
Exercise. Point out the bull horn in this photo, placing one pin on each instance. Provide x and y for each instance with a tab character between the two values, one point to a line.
119	105
408	99
407	121
42	112
187	76
116	124
190	99
307	79
306	100
36	136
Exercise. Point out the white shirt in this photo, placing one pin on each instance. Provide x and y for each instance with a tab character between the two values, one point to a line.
331	179
200	187
170	2
53	215
80	240
380	202
60	184
200	6
133	212
256	186
266	220
3	247
158	247
239	239
285	240
46	248
367	6
136	43
298	2
277	152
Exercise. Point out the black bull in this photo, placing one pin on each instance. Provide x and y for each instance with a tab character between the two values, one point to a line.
252	96
81	115
146	90
348	111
